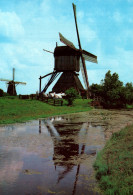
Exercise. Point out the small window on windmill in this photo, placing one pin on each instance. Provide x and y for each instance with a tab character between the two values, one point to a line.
66	59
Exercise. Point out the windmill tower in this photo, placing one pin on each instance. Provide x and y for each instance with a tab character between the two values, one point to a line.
11	90
69	60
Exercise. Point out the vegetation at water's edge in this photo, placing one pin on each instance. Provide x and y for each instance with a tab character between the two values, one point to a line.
114	164
14	110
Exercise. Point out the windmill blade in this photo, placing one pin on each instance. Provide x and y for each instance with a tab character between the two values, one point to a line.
75	17
17	82
48	51
83	74
89	56
13	76
82	58
66	41
5	80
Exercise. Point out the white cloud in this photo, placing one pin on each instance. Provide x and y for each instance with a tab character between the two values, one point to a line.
45	7
117	17
80	14
10	25
87	33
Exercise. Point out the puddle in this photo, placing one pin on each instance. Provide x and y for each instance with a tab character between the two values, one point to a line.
50	156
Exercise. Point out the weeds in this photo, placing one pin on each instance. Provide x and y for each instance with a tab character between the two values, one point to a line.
114	164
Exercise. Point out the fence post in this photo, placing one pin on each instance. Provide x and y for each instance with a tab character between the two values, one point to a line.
61	102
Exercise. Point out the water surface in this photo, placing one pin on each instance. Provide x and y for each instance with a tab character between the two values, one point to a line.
50	156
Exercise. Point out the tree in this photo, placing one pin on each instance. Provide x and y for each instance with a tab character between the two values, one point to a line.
96	90
71	95
112	91
127	93
112	88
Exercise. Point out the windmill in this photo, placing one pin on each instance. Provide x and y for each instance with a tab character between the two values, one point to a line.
11	90
68	60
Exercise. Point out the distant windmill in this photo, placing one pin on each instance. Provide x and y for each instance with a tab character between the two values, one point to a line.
69	59
11	90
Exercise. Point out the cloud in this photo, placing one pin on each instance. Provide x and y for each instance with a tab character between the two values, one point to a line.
80	15
10	25
117	17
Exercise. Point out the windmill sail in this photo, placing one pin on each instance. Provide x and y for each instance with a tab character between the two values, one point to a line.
82	58
75	17
83	74
5	80
17	82
66	41
89	56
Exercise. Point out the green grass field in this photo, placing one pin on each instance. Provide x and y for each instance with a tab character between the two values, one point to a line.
14	110
114	164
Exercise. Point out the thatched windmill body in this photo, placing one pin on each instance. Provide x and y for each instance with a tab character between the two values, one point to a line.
11	89
69	60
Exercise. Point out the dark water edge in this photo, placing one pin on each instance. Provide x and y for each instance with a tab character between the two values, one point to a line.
50	156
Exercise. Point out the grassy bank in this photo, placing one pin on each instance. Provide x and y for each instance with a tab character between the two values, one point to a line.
17	110
114	164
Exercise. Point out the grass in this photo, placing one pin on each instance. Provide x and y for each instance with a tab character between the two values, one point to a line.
14	110
114	164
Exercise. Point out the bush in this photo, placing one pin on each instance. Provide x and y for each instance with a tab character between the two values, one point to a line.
71	95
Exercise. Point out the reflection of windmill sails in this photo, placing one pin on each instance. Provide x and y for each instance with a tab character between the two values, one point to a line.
66	150
84	128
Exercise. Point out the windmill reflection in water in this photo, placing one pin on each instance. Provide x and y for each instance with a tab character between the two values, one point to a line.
66	151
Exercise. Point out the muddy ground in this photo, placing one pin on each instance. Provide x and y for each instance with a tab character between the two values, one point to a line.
111	120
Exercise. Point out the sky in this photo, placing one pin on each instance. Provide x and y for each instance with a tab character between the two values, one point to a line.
29	26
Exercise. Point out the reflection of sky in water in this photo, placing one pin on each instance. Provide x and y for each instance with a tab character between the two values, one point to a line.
49	156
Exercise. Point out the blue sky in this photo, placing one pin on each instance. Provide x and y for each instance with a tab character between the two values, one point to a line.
28	26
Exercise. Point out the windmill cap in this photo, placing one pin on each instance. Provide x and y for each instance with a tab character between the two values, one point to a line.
65	51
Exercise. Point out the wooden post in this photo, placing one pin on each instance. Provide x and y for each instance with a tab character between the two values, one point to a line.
39	126
40	85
